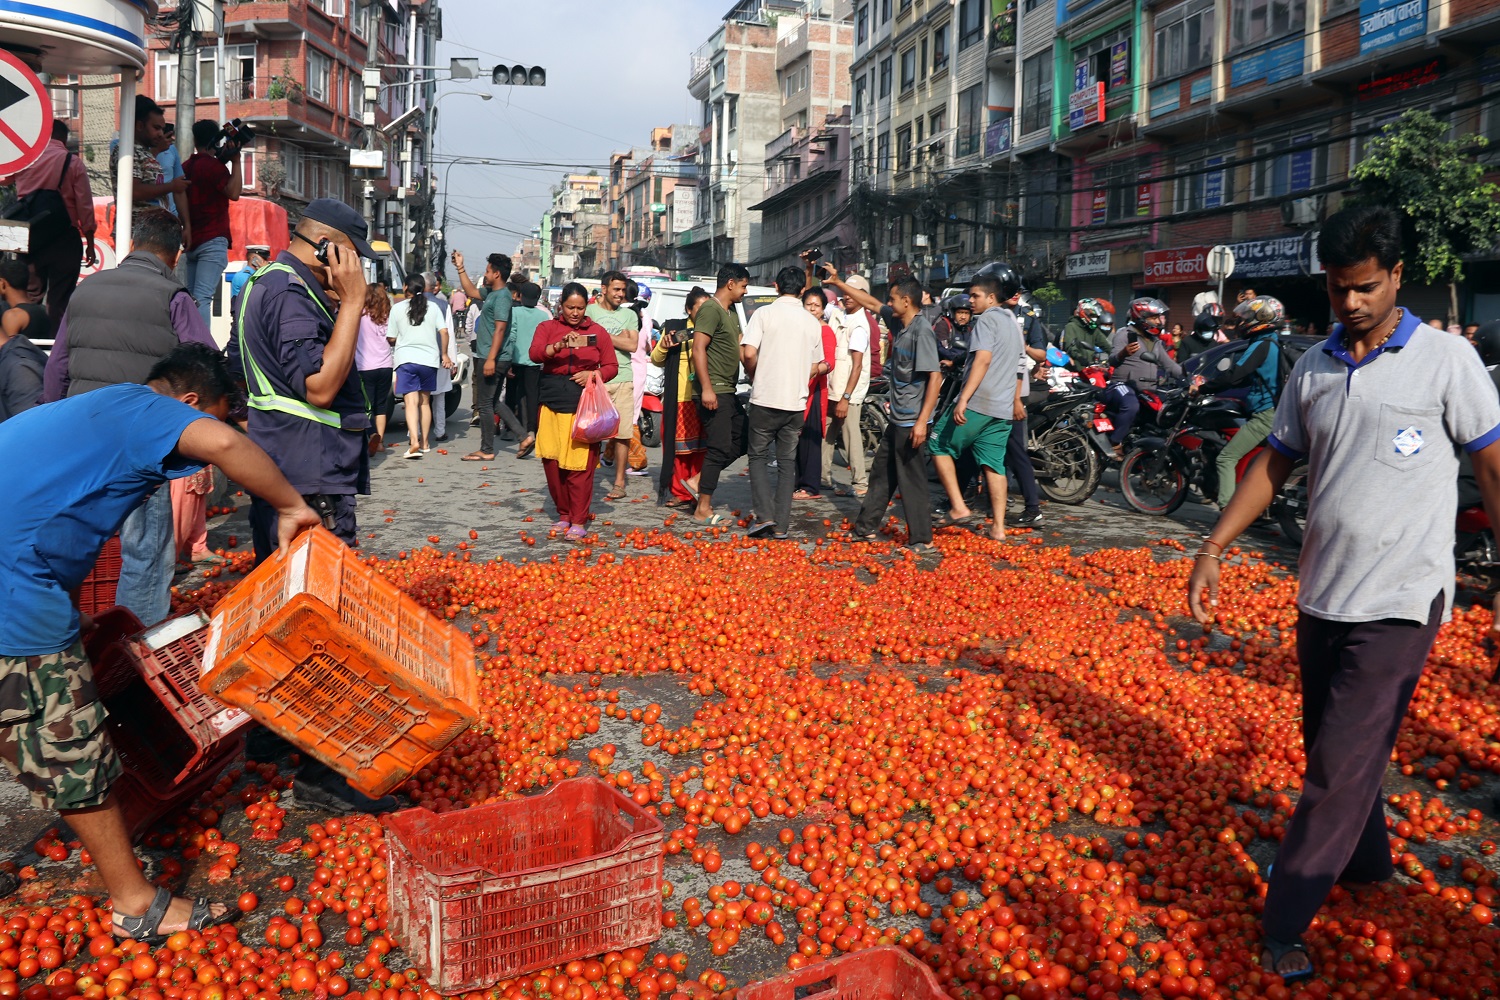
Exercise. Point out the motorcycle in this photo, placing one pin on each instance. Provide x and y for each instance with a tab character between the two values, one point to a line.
1191	431
1474	545
1066	440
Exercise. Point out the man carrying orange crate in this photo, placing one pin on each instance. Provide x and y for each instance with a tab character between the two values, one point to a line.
128	439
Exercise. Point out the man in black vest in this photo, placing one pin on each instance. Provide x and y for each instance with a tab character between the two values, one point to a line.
119	323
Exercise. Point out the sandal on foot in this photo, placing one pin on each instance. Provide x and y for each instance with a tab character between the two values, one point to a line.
576	533
527	447
1280	950
146	927
761	528
806	495
615	493
713	520
477	456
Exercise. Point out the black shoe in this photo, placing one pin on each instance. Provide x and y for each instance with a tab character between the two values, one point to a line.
321	789
1028	519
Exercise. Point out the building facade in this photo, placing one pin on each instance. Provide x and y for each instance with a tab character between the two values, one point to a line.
576	232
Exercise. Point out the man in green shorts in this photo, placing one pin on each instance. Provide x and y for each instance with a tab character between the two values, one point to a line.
980	419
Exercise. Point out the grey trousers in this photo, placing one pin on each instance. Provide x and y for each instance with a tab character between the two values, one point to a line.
780	428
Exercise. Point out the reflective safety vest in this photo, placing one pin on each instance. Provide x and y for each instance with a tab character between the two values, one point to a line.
262	395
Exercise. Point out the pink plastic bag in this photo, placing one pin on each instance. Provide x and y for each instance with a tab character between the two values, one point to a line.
597	419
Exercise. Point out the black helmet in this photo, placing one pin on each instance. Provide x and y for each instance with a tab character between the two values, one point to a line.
1487	343
1011	284
955	303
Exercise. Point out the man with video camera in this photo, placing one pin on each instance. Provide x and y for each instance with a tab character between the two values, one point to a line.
213	172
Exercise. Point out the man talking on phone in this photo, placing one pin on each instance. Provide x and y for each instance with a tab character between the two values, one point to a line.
294	346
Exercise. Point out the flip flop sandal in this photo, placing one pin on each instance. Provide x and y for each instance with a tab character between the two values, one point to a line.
145	928
477	457
1279	950
526	449
867	538
761	529
560	526
804	495
615	494
714	520
956	522
577	533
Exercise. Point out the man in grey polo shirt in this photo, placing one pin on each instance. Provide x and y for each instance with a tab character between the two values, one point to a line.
1380	413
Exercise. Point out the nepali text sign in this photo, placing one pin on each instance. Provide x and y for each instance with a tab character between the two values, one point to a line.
1273	65
1119	64
1083	265
1383	23
1166	98
1086	102
1183	266
1270	258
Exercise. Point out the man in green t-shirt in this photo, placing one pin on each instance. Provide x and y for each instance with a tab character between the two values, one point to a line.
716	371
624	327
494	352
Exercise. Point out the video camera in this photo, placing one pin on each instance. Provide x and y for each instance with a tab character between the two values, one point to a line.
232	139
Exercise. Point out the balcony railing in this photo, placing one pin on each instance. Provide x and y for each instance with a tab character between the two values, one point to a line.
1003	28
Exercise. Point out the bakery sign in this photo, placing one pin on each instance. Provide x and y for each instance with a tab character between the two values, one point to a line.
1182	266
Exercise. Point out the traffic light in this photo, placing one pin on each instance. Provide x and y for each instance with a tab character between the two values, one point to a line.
519	76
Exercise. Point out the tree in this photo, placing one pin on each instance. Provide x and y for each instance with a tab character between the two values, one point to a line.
1413	165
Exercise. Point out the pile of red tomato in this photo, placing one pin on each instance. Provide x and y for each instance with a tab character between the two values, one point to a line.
1022	734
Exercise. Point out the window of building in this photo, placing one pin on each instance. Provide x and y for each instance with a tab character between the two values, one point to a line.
940	49
247	168
908	70
319	74
734	112
720	69
1257	21
883	152
364	18
1098	59
795	81
1030	5
885	77
64	91
333	8
862	25
937	123
970	23
1277	176
1036	92
861	89
291	161
970	120
885	11
1120	182
903	148
1204	187
1365	130
922	58
1184	38
356	95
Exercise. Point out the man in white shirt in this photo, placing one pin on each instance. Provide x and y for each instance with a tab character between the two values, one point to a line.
847	387
782	352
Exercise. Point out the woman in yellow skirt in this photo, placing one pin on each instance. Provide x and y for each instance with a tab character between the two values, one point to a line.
569	350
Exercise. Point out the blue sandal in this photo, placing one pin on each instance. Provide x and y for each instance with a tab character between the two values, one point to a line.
1279	950
146	927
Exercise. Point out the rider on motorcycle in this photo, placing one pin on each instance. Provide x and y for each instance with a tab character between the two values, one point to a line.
1205	333
1139	355
1086	338
1260	322
952	329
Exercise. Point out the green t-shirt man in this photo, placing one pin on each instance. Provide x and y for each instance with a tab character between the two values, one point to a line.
722	328
497	308
616	321
523	324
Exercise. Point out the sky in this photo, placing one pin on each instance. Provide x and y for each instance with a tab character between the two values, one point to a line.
615	69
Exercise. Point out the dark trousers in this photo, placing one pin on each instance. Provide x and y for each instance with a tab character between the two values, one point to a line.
1121	404
56	266
810	445
724	432
1018	463
780	429
1357	678
263	519
487	403
526	380
897	462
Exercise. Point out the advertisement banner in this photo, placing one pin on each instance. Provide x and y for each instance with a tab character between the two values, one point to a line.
1086	105
1383	23
1301	165
1273	65
1270	258
1119	64
1084	265
1100	213
1201	89
1166	98
1184	266
997	138
1213	184
1143	196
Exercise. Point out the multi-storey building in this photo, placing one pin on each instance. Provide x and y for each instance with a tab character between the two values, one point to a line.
1193	123
577	228
807	166
646	234
733	76
294	70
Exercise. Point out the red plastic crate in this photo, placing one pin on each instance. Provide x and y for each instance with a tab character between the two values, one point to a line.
165	729
143	806
497	891
97	591
330	655
884	973
110	626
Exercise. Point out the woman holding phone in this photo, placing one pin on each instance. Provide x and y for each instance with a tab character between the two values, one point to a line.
681	426
568	349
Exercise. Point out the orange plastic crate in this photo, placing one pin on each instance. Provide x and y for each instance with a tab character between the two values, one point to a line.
97	591
884	973
484	894
326	652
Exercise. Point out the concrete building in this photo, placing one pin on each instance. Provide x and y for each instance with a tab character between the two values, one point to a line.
807	166
646	235
528	255
733	76
578	228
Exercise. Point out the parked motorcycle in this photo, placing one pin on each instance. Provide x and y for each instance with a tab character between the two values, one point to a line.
1191	431
1474	547
1067	445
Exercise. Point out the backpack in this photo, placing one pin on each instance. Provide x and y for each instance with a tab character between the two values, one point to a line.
44	211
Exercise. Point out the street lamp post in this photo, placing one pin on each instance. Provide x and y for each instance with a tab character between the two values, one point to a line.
427	141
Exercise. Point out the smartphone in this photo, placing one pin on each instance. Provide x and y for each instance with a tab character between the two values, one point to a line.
815	254
1133	337
591	339
321	251
826	270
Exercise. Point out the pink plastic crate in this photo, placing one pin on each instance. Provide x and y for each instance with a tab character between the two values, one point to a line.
884	973
485	894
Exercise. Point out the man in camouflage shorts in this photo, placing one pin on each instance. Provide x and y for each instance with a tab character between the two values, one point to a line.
52	729
125	441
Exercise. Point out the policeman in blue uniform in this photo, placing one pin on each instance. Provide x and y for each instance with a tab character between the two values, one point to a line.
293	344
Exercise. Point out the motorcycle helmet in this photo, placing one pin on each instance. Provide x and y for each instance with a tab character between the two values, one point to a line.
1148	314
1260	314
1487	343
643	293
1027	307
1090	312
957	303
1010	282
1208	321
1107	321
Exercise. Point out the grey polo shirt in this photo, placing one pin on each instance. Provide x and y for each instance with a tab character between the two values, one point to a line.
1381	440
995	330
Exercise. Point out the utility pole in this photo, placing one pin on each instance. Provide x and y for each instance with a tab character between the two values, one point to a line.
187	78
372	98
